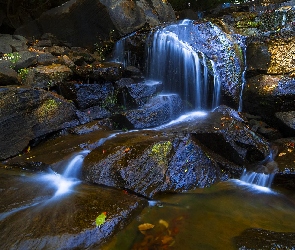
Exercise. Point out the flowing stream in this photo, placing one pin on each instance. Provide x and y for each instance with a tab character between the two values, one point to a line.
202	219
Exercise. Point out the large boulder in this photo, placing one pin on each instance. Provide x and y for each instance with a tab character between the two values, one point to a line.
85	23
264	95
27	114
157	111
61	222
194	153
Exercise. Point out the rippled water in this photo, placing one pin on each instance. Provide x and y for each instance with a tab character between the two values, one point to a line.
209	218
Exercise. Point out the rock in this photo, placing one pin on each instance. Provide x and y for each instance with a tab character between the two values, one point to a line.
25	59
44	58
89	95
9	43
256	238
286	122
27	114
8	76
286	154
266	94
47	76
55	223
88	128
85	23
157	111
175	157
133	95
107	71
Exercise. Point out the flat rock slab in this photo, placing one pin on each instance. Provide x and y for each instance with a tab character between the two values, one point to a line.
31	218
255	238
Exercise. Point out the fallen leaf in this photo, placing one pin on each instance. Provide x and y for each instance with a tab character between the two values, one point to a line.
164	223
167	239
145	226
100	219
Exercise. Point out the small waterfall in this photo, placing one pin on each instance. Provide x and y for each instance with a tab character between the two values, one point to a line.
63	183
263	174
181	69
260	179
244	48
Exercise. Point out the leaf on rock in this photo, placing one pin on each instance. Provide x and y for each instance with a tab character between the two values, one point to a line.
100	219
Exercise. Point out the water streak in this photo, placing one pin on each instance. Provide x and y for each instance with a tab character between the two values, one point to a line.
179	67
260	179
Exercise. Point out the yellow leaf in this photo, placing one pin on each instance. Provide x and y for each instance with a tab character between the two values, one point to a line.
145	226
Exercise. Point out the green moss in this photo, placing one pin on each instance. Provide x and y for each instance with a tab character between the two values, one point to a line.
47	110
23	73
160	152
12	57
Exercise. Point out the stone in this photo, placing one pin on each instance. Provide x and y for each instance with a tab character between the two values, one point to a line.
25	59
10	43
133	95
264	95
27	114
47	76
157	111
256	238
107	71
68	227
44	58
89	95
176	157
85	23
8	76
286	122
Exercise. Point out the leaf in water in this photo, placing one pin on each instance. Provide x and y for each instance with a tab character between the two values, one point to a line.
100	219
145	226
164	223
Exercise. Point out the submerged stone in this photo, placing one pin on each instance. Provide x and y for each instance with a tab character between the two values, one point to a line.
60	222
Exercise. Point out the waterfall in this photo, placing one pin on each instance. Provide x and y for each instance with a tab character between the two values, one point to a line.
181	69
263	173
260	179
243	78
63	183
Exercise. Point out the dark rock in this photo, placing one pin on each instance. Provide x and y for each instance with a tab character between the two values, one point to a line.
108	71
47	76
55	222
286	122
264	95
258	57
26	59
9	43
255	238
175	157
8	76
27	114
90	127
132	95
157	111
88	95
264	129
46	58
133	72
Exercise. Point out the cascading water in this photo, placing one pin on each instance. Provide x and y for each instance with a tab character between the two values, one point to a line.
181	69
70	177
263	173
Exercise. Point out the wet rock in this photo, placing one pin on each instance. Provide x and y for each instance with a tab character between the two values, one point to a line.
8	76
266	94
27	114
255	238
90	127
46	58
100	72
88	95
89	22
166	164
25	59
10	43
47	76
56	223
194	153
286	122
157	111
132	95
